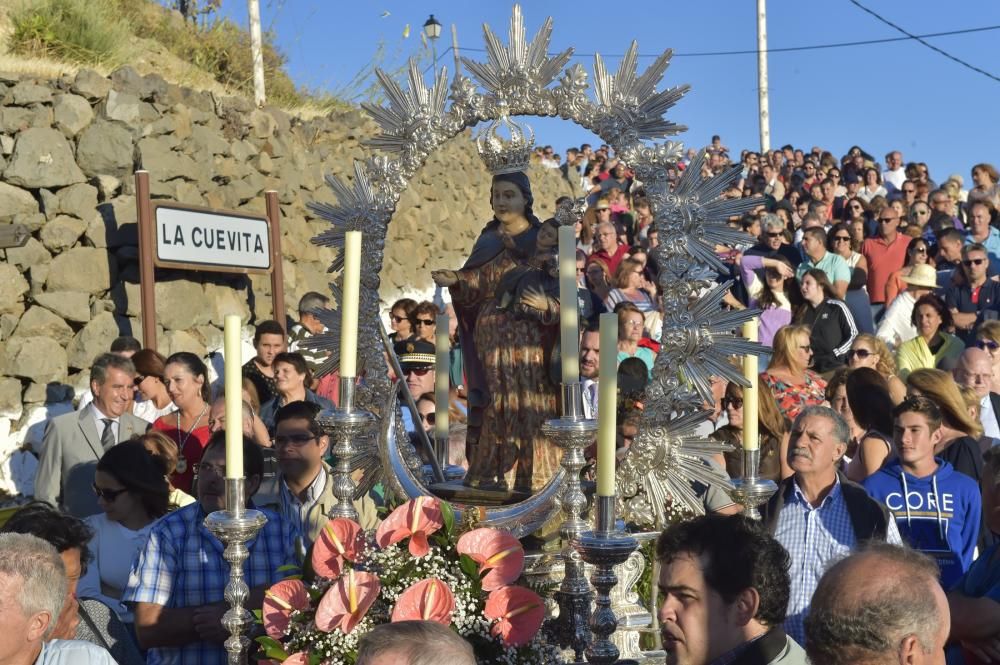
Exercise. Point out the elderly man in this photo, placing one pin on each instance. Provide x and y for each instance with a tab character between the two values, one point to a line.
882	605
817	514
309	325
414	643
885	253
725	585
32	591
894	173
607	250
177	582
974	370
74	442
816	256
976	298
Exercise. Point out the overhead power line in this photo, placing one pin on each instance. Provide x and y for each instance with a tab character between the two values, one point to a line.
920	39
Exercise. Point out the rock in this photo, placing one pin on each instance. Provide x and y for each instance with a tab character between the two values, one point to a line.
37	358
26	93
14	201
107	186
86	269
262	124
263	163
30	255
10	398
90	84
126	79
204	141
6	144
221	300
13	286
50	203
105	148
7	324
179	305
79	201
71	114
242	151
62	233
180	340
40	322
42	158
92	341
14	119
47	393
122	107
70	305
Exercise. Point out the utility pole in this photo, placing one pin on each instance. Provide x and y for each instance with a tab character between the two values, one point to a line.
253	8
765	117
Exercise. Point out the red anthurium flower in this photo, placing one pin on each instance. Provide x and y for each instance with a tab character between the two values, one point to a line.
519	613
427	600
341	539
495	551
279	603
416	519
297	658
346	602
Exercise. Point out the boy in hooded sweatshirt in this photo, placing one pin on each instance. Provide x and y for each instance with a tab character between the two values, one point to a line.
941	513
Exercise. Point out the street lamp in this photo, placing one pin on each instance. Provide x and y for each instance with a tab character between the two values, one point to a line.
432	30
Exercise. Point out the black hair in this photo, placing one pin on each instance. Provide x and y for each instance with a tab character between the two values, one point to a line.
196	366
736	553
521	180
124	344
296	360
61	530
938	305
140	473
300	410
267	328
253	457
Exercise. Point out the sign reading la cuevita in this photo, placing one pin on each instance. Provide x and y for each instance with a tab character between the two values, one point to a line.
200	236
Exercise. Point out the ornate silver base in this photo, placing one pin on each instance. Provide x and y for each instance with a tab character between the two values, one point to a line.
604	548
235	527
344	425
573	433
751	491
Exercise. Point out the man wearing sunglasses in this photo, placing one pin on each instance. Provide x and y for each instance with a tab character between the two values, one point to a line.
976	299
980	231
416	359
885	253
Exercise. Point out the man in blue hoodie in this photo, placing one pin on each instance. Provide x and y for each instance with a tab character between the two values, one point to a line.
936	509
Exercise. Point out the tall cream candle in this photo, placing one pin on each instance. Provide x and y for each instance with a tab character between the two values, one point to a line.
350	295
569	320
751	440
233	383
441	383
607	403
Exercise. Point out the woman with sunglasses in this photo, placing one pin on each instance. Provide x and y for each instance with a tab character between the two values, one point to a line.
792	384
423	321
932	346
871	406
399	319
132	491
833	328
629	283
870	351
917	254
776	295
773	429
840	242
988	339
156	402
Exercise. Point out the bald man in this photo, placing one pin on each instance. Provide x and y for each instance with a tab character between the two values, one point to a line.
881	605
975	370
606	247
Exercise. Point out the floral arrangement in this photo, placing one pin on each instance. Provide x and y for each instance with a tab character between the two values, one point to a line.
415	566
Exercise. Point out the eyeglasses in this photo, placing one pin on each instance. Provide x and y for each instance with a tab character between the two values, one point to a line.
427	417
634	324
841	238
886	220
806	348
921	212
423	322
397	319
735	402
968	263
139	378
908	191
919	250
419	372
860	353
297	439
215	469
856	207
106	494
989	344
779	234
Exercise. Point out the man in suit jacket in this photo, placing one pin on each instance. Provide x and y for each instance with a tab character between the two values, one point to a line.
74	442
975	370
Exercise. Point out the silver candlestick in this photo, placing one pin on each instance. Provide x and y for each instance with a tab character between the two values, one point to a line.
573	433
604	548
235	527
750	490
345	424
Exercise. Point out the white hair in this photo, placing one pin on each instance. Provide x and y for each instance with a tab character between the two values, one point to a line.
40	570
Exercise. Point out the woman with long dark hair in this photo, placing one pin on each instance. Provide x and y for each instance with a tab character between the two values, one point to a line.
832	325
840	242
871	405
932	345
188	385
777	295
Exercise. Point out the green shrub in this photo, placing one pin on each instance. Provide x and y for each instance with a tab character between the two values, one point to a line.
82	31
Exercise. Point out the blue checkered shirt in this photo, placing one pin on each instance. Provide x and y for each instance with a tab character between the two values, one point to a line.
815	538
182	566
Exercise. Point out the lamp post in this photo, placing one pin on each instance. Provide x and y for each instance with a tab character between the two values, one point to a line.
432	30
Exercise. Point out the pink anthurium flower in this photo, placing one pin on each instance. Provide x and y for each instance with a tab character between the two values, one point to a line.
495	551
416	519
341	539
279	602
347	601
297	658
427	600
518	612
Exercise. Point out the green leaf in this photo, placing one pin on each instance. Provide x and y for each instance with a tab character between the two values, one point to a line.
469	566
272	648
448	517
259	615
287	567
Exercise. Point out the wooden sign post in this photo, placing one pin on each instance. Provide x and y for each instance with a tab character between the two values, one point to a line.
200	239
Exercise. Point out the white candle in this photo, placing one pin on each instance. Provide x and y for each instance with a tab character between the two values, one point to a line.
569	321
607	406
441	383
233	382
750	396
350	295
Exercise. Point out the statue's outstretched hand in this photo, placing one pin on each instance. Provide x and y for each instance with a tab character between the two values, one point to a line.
444	277
535	298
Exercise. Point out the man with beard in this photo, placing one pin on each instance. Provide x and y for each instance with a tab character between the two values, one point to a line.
725	587
590	362
817	514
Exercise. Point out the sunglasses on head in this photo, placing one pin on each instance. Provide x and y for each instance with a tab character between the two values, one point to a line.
423	322
968	263
108	495
987	344
860	353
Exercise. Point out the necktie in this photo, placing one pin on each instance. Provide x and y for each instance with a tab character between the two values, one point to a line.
108	435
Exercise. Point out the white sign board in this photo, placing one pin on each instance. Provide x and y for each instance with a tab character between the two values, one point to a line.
205	237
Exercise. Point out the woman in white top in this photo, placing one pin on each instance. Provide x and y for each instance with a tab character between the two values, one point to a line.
156	401
873	185
132	491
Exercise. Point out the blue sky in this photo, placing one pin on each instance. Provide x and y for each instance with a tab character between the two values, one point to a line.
900	95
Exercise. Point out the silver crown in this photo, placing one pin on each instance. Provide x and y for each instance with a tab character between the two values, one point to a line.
505	155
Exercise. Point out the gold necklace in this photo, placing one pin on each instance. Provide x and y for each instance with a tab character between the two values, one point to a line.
181	460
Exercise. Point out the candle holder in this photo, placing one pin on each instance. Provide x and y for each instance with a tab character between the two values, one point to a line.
751	491
235	527
605	547
344	424
573	433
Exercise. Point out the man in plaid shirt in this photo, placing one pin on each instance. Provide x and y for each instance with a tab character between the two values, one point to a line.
177	583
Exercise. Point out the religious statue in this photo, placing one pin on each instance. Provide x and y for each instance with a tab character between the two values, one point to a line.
508	322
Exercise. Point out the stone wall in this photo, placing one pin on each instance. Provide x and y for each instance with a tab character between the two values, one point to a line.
68	151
